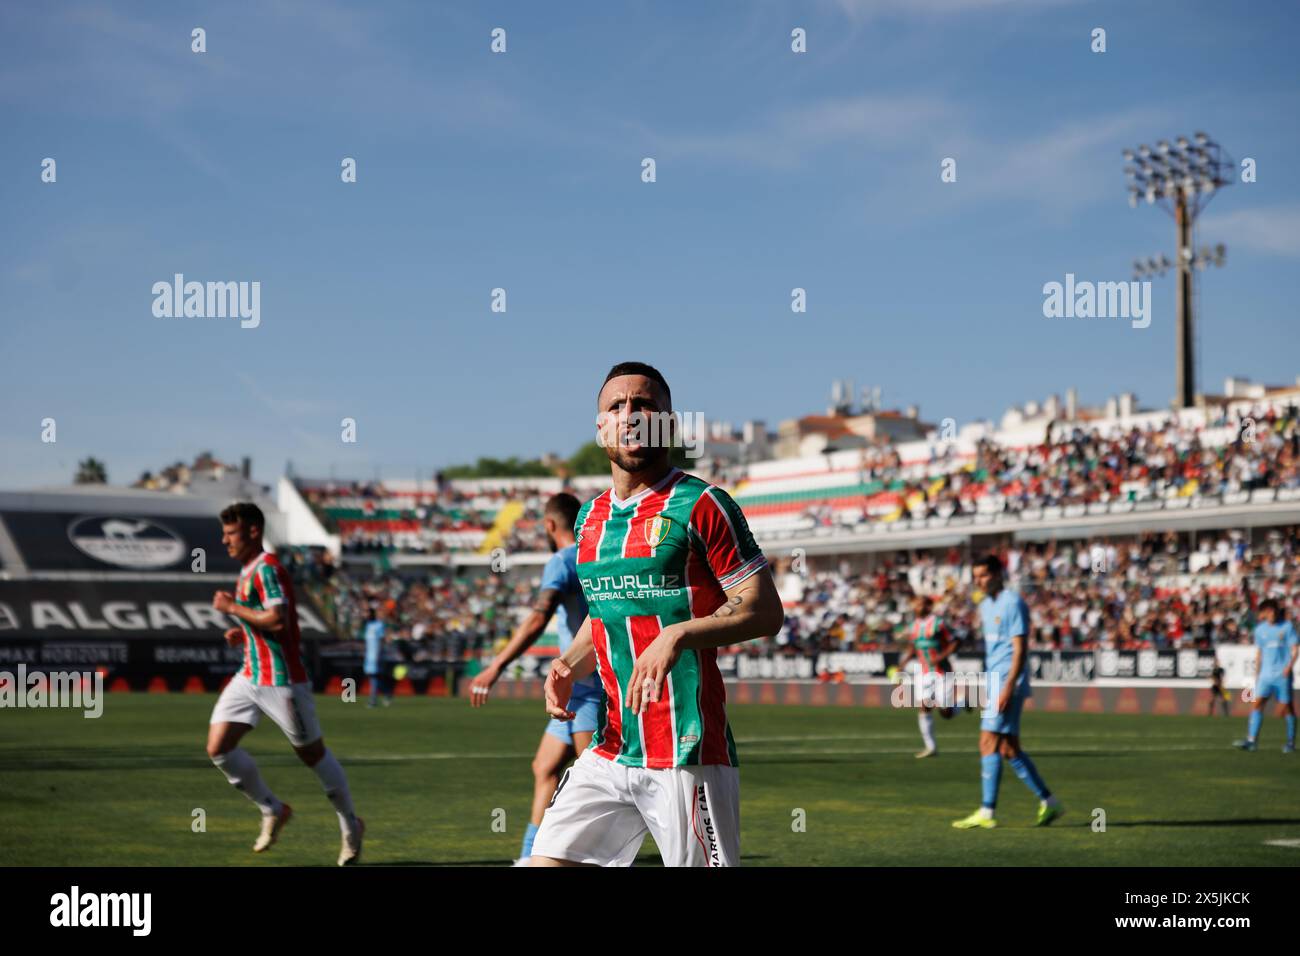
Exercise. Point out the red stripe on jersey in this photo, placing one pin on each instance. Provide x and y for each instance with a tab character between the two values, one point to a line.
290	636
706	594
714	528
590	531
646	511
613	730
713	709
706	597
657	743
265	663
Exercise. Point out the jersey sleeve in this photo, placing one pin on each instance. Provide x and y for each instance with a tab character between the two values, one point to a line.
1291	638
269	583
1018	619
722	534
556	575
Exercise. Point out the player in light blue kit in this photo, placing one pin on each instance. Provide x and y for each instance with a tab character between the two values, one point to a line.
560	591
1005	619
1277	648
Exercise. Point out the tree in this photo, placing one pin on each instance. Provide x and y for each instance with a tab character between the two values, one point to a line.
590	459
91	471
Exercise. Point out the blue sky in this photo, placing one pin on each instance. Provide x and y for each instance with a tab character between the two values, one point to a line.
522	170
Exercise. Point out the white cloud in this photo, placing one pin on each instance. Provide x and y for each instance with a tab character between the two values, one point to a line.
1273	230
785	138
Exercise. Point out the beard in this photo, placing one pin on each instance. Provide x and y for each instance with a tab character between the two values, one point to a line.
636	459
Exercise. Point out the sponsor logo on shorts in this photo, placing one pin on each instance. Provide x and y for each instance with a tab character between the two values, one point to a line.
705	820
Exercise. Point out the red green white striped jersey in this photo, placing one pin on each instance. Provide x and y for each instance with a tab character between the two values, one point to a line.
661	557
271	660
928	635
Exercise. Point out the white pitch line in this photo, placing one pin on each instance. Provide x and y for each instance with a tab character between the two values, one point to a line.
1291	843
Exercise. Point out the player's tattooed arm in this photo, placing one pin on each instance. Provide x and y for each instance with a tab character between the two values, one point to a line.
752	609
529	629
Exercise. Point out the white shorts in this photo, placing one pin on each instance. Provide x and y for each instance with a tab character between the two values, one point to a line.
602	811
291	707
933	690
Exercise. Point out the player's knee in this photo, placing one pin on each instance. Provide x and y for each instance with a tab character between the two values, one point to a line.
311	754
218	748
544	769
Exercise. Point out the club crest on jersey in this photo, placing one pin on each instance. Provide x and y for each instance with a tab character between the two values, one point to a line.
656	529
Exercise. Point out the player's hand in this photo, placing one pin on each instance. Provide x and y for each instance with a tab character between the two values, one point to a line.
223	601
559	686
481	686
651	669
1004	700
234	636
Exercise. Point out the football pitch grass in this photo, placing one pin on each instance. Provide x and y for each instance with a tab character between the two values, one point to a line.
437	782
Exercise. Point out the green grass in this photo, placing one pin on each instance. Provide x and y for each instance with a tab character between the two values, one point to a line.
428	773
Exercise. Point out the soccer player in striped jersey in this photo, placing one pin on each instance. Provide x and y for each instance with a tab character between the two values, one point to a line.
559	592
272	681
671	573
932	645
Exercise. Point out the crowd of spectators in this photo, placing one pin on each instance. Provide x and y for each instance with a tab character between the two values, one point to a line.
1082	467
1155	591
371	519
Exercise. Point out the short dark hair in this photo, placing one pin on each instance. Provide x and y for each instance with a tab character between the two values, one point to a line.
1273	605
637	368
992	563
564	508
245	513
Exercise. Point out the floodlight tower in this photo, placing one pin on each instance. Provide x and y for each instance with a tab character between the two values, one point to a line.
1183	177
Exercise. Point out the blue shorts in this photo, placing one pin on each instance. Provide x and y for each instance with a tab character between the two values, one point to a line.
1277	686
586	712
1007	722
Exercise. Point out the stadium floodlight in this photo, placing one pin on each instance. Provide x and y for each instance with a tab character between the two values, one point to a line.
1184	177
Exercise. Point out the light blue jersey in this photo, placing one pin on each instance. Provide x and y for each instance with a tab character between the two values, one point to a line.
373	635
561	575
1275	642
1005	617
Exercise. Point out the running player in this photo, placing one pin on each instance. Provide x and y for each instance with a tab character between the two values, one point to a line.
560	591
932	645
273	681
1276	649
671	573
1005	619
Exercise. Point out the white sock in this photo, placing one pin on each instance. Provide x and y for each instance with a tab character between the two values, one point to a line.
986	813
335	782
926	721
241	770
